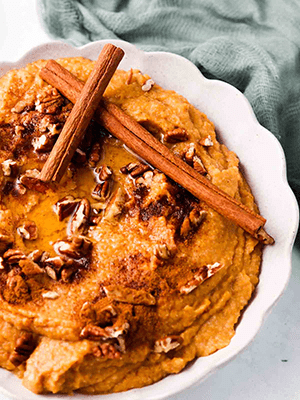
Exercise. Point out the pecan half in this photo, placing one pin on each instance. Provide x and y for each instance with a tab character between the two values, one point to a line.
106	350
65	207
176	135
28	230
9	168
31	181
128	295
101	191
13	256
79	223
167	344
135	169
95	155
25	345
67	248
200	276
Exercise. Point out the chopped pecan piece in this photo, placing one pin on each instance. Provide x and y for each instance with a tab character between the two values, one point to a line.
13	256
101	191
146	179
129	167
25	345
35	256
101	312
167	344
100	206
135	169
53	267
31	181
104	173
50	295
66	274
30	268
82	244
192	221
54	130
190	153
51	273
106	350
128	295
95	155
198	165
67	249
49	102
2	264
80	221
115	206
43	144
9	168
19	190
65	207
22	105
148	85
200	276
176	135
197	216
207	141
140	169
28	230
162	252
93	332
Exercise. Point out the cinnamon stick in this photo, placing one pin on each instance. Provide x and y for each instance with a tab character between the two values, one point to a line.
150	149
81	114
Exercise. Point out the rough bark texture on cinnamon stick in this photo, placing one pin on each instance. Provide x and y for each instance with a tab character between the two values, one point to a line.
146	146
81	114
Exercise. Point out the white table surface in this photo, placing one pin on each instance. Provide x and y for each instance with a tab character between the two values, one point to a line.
269	369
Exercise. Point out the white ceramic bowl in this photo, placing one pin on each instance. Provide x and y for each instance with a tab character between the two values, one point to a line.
263	164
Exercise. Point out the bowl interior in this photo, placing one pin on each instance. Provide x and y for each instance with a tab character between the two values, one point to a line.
263	164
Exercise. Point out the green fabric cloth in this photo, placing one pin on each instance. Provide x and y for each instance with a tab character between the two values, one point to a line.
251	44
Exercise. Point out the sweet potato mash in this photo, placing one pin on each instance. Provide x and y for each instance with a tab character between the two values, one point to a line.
115	277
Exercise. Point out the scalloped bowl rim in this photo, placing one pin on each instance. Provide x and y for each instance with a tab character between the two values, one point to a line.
238	128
